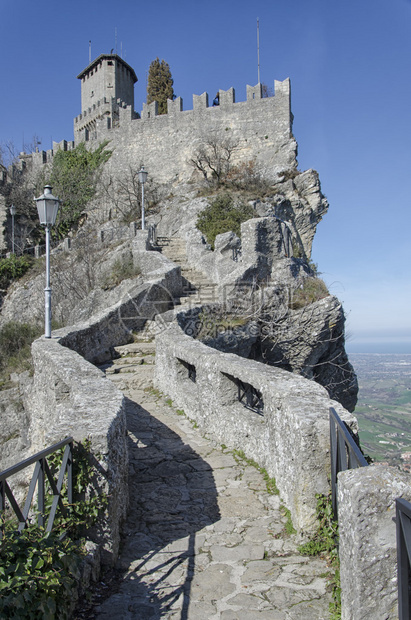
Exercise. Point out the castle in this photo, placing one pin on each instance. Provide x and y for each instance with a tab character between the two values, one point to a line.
292	439
259	129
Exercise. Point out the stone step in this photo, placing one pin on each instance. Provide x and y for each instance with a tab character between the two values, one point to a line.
199	288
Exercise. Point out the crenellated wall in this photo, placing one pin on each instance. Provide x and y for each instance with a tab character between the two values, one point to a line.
260	128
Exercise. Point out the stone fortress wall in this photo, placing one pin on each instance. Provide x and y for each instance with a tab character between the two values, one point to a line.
260	129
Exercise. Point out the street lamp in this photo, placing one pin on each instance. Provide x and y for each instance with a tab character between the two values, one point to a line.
12	213
47	207
142	177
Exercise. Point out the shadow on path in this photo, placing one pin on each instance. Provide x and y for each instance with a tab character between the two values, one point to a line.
172	497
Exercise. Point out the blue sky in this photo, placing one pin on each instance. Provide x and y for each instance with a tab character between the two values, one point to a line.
349	64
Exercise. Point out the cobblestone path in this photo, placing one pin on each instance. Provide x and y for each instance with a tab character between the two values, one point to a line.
204	539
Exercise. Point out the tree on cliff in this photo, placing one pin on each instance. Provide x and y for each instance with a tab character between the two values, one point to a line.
160	84
213	158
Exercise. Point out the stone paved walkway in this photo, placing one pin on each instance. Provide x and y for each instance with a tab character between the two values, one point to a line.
204	539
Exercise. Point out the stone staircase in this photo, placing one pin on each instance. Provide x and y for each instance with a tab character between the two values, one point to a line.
198	289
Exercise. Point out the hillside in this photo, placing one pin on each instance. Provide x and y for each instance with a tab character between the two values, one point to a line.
384	406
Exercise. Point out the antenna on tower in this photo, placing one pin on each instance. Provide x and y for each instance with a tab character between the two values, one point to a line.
89	52
258	49
115	39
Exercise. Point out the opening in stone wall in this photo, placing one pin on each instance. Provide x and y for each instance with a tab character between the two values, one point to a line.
185	370
246	394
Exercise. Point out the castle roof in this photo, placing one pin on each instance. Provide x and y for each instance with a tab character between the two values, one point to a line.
108	57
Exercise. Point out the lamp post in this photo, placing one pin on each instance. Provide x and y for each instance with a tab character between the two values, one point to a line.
12	213
47	207
142	177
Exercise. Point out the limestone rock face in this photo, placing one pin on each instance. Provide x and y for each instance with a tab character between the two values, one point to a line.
310	342
299	202
13	428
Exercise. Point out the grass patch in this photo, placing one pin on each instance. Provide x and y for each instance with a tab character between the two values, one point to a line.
324	543
121	270
313	289
289	528
270	483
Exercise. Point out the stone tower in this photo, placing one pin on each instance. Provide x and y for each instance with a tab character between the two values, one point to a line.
106	84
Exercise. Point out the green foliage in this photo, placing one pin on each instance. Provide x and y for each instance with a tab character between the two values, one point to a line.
289	528
15	341
160	84
298	251
13	268
37	574
74	180
324	542
121	270
39	570
313	289
223	215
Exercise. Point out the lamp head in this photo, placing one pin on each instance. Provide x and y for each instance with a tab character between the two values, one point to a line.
142	175
47	207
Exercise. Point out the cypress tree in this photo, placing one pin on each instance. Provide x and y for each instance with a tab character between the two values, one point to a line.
160	84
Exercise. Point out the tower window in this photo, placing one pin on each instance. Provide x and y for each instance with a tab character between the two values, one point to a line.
110	63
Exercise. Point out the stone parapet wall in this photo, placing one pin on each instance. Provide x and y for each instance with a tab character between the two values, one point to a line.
290	439
70	396
368	550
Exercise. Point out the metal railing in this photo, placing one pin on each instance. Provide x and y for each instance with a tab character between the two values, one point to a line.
250	397
403	524
41	473
345	454
152	234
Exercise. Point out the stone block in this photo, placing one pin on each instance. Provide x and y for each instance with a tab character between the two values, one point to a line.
366	515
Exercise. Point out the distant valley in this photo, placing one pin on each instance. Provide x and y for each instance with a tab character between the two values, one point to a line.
384	406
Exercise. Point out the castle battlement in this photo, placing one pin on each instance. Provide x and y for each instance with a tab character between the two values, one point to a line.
259	128
111	111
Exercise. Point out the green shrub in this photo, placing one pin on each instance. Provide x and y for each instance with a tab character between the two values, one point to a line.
40	570
74	181
37	574
223	215
13	268
313	289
